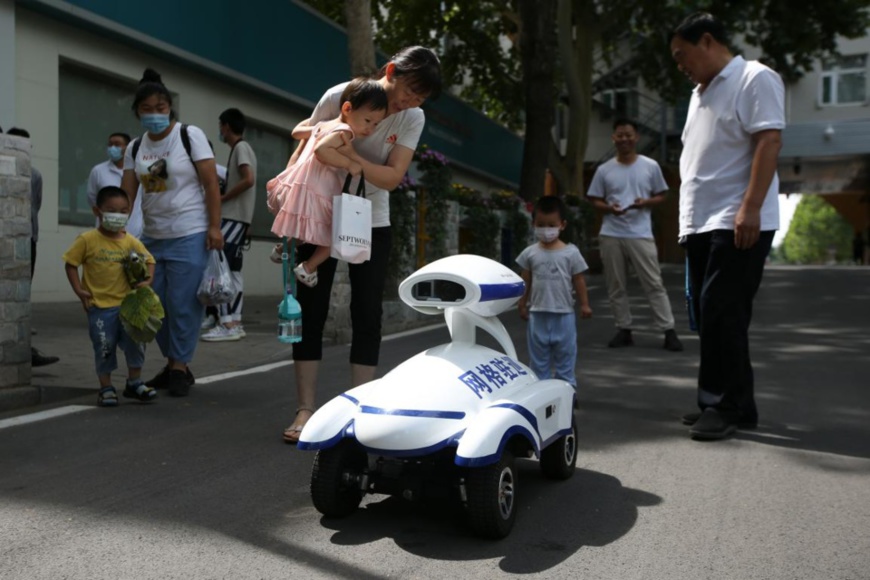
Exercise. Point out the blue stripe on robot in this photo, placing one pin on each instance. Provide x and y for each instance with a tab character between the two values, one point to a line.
501	291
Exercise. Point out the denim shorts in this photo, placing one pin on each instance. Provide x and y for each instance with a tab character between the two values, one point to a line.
107	334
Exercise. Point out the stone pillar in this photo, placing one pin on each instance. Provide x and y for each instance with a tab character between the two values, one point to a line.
14	269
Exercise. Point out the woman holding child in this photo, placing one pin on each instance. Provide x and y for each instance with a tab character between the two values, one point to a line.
409	78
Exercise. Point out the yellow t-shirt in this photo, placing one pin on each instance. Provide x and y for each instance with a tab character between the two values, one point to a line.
101	259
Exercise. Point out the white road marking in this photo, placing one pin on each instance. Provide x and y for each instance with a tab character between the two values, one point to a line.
42	415
251	371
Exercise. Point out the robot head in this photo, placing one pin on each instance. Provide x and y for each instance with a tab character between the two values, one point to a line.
481	285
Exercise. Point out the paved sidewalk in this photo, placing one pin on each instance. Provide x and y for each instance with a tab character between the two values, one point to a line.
62	331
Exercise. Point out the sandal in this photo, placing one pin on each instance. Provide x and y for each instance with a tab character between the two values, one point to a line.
107	397
277	255
309	280
139	391
292	433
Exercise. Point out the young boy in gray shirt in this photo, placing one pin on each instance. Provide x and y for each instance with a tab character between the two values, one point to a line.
551	269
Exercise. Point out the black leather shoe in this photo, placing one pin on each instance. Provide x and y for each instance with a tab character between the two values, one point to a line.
622	338
692	418
37	359
179	384
161	379
672	343
712	425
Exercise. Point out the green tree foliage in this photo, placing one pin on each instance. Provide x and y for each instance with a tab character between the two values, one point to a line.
815	229
480	46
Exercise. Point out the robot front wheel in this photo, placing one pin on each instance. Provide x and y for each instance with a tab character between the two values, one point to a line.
336	490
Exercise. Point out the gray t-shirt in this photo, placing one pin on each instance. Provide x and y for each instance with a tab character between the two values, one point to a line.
617	183
552	276
241	207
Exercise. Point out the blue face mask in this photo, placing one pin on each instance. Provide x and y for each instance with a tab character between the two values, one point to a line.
115	152
155	123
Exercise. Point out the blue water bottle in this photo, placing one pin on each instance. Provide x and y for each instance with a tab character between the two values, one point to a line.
289	320
289	310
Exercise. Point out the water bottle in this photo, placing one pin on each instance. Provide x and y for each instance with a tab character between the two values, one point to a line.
289	320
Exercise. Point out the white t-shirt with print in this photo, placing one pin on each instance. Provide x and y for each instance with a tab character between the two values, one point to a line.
616	182
715	166
173	200
402	128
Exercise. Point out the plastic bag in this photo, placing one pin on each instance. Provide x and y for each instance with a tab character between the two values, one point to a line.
217	283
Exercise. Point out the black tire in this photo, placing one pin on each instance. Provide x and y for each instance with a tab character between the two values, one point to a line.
335	488
492	502
559	458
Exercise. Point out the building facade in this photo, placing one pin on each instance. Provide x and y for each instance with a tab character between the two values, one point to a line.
69	69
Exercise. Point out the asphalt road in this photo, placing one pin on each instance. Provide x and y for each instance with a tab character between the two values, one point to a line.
203	487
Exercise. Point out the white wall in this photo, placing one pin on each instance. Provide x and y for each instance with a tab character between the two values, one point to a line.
40	44
7	64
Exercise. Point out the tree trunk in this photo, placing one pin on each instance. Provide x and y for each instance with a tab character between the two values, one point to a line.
360	45
538	50
577	39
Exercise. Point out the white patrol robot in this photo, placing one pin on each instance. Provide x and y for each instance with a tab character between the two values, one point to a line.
452	418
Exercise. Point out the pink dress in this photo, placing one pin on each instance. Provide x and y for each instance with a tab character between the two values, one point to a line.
301	195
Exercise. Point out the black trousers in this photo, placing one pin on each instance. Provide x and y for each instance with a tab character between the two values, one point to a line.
724	281
366	302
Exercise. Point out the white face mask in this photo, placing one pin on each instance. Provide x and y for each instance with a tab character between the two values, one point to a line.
114	222
547	235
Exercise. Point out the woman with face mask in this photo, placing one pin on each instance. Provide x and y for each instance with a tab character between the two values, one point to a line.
181	208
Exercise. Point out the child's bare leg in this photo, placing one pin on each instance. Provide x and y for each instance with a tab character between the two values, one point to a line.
134	374
105	380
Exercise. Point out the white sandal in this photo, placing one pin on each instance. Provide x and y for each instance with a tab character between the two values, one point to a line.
309	280
277	255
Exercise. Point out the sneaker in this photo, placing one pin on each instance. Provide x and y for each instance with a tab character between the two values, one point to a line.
178	383
222	333
161	379
742	423
622	338
37	359
672	343
208	323
712	425
138	390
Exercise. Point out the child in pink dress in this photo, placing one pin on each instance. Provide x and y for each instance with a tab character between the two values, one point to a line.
301	196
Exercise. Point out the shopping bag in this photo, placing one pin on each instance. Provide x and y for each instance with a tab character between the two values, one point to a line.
352	224
217	285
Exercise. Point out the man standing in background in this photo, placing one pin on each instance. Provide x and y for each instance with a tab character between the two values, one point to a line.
237	211
108	173
625	189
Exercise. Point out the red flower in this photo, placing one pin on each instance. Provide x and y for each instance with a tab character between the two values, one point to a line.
392	138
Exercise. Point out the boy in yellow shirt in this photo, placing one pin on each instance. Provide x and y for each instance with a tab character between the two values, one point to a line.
103	285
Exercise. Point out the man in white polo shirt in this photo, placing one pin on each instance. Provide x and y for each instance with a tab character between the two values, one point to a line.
728	211
625	189
108	173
